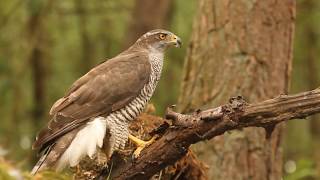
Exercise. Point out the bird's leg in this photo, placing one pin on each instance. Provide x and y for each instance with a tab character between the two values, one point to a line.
102	158
140	144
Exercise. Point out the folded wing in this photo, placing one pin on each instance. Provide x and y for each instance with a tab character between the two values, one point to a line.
106	88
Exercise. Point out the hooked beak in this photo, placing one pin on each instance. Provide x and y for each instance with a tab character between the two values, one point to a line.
175	40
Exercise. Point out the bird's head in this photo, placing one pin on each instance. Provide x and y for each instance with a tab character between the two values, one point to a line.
159	40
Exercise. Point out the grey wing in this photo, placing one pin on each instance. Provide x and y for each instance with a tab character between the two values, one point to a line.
106	88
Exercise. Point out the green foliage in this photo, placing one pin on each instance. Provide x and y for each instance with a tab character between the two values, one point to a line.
4	172
305	169
57	33
305	76
50	175
9	172
74	36
71	37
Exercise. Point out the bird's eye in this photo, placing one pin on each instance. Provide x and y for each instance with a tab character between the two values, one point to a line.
162	36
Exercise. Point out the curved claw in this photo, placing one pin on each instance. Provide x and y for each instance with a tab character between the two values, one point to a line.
140	144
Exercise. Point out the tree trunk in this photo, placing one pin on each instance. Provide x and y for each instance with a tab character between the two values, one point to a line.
38	72
39	42
148	15
37	35
86	45
239	48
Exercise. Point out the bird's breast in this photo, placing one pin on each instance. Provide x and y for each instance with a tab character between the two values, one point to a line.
119	121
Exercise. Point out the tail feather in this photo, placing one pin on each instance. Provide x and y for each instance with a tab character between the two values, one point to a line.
52	154
41	163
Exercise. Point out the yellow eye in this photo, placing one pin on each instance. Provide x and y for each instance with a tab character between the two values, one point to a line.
162	36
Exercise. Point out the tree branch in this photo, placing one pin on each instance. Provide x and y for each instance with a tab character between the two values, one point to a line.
204	125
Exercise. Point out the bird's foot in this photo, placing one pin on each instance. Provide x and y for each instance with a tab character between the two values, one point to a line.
140	144
102	159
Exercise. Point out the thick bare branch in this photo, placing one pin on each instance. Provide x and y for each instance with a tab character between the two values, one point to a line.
202	125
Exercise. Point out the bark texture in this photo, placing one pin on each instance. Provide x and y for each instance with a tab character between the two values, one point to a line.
144	127
198	126
239	47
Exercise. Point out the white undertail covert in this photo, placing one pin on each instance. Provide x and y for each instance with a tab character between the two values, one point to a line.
85	143
92	135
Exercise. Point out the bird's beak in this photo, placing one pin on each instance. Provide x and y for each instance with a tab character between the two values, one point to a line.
175	40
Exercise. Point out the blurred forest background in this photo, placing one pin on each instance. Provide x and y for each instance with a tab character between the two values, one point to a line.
45	45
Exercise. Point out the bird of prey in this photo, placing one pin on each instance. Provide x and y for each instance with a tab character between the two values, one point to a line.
98	108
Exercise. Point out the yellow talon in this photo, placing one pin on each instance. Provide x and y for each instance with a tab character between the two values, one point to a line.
140	144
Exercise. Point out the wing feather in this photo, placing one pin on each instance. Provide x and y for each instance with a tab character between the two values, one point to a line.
106	88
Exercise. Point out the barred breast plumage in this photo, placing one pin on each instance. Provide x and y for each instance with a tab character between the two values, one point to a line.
119	121
90	138
98	108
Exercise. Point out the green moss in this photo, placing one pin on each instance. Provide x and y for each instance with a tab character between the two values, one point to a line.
5	168
49	175
4	173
